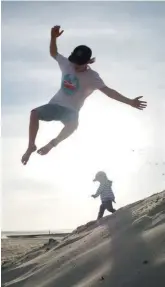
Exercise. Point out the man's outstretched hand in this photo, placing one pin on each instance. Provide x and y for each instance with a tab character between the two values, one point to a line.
55	32
136	103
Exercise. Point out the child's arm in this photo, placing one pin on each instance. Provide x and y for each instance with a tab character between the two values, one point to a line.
55	33
98	192
136	103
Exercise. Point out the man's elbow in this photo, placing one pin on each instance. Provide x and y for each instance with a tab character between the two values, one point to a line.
108	92
53	54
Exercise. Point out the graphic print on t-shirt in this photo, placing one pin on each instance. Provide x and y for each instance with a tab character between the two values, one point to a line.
70	84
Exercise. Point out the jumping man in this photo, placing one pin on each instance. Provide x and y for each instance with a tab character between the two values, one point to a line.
79	81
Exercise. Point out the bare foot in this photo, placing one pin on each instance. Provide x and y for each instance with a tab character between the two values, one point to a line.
45	149
27	154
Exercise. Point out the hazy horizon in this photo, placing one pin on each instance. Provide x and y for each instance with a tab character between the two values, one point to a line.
37	231
54	192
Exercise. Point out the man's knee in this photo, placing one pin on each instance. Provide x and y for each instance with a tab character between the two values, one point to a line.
72	126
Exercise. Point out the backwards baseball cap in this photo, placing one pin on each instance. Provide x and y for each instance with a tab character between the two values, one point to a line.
81	55
100	175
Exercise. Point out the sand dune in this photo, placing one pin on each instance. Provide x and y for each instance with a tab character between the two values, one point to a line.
126	249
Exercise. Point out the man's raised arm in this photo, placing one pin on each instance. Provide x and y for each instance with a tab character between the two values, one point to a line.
55	33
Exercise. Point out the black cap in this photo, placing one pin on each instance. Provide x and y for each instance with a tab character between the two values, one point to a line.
81	55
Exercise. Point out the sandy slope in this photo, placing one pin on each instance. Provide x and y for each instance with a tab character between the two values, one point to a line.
14	248
126	249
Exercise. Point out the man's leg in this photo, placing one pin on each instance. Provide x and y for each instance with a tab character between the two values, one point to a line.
101	211
68	129
33	129
109	206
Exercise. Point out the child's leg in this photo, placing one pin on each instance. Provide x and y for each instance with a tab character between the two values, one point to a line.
109	206
68	129
33	129
101	211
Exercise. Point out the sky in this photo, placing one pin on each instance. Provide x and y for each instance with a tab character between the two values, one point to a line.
54	192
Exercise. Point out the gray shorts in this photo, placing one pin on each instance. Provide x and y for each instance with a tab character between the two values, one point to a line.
54	112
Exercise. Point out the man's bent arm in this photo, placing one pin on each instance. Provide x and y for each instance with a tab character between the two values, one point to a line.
53	47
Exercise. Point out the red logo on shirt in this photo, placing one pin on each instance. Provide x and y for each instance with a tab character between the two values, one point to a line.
69	85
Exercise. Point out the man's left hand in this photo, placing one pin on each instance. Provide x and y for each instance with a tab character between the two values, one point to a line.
136	103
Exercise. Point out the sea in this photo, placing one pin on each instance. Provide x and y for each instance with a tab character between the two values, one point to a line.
5	234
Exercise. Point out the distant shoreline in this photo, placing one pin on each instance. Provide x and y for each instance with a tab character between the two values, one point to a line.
22	236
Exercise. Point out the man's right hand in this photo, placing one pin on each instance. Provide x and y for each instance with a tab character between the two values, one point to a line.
55	32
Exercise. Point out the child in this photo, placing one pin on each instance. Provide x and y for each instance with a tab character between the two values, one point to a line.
78	82
105	192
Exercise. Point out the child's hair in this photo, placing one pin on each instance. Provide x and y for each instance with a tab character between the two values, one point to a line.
101	174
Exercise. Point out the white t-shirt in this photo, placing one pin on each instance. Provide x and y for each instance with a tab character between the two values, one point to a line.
75	86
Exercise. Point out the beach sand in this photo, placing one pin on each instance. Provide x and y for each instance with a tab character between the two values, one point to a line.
14	248
125	249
